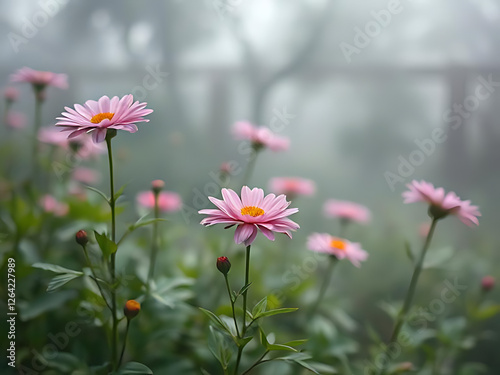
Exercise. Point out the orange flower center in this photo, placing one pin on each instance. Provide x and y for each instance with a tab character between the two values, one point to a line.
337	243
96	119
252	211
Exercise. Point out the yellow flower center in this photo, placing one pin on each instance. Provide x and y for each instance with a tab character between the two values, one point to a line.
337	243
252	211
96	119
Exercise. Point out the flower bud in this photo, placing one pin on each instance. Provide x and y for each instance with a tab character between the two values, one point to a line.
131	309
487	283
223	265
81	237
157	186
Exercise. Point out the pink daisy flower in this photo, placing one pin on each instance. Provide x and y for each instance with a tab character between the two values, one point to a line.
96	117
15	120
338	247
292	186
251	213
11	94
167	201
441	204
40	79
53	206
347	210
260	136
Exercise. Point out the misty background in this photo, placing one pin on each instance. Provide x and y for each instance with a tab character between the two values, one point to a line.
353	116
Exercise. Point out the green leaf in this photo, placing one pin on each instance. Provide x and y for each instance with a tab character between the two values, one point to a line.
107	246
268	346
219	347
60	280
243	290
296	342
98	192
119	193
487	312
216	320
55	268
275	312
134	368
409	252
259	308
45	302
306	366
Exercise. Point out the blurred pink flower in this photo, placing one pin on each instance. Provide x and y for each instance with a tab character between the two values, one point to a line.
86	175
40	79
167	201
347	210
51	205
11	94
292	186
487	283
15	120
96	117
338	247
260	136
251	213
441	204
84	146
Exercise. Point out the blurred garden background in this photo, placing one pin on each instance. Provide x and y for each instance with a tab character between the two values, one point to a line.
371	95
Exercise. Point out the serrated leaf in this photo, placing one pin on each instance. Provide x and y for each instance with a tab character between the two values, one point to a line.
55	268
98	192
134	368
60	280
107	246
260	307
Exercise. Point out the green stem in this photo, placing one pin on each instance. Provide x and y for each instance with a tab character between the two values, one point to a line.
113	255
256	363
244	329
124	343
411	291
232	305
324	286
95	276
155	245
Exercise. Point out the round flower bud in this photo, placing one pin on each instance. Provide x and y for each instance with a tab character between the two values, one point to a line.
487	283
223	265
131	309
157	186
81	237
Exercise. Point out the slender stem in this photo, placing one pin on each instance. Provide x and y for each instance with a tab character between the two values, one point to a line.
244	329
113	256
95	276
124	343
256	363
232	305
324	286
155	245
247	273
411	291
